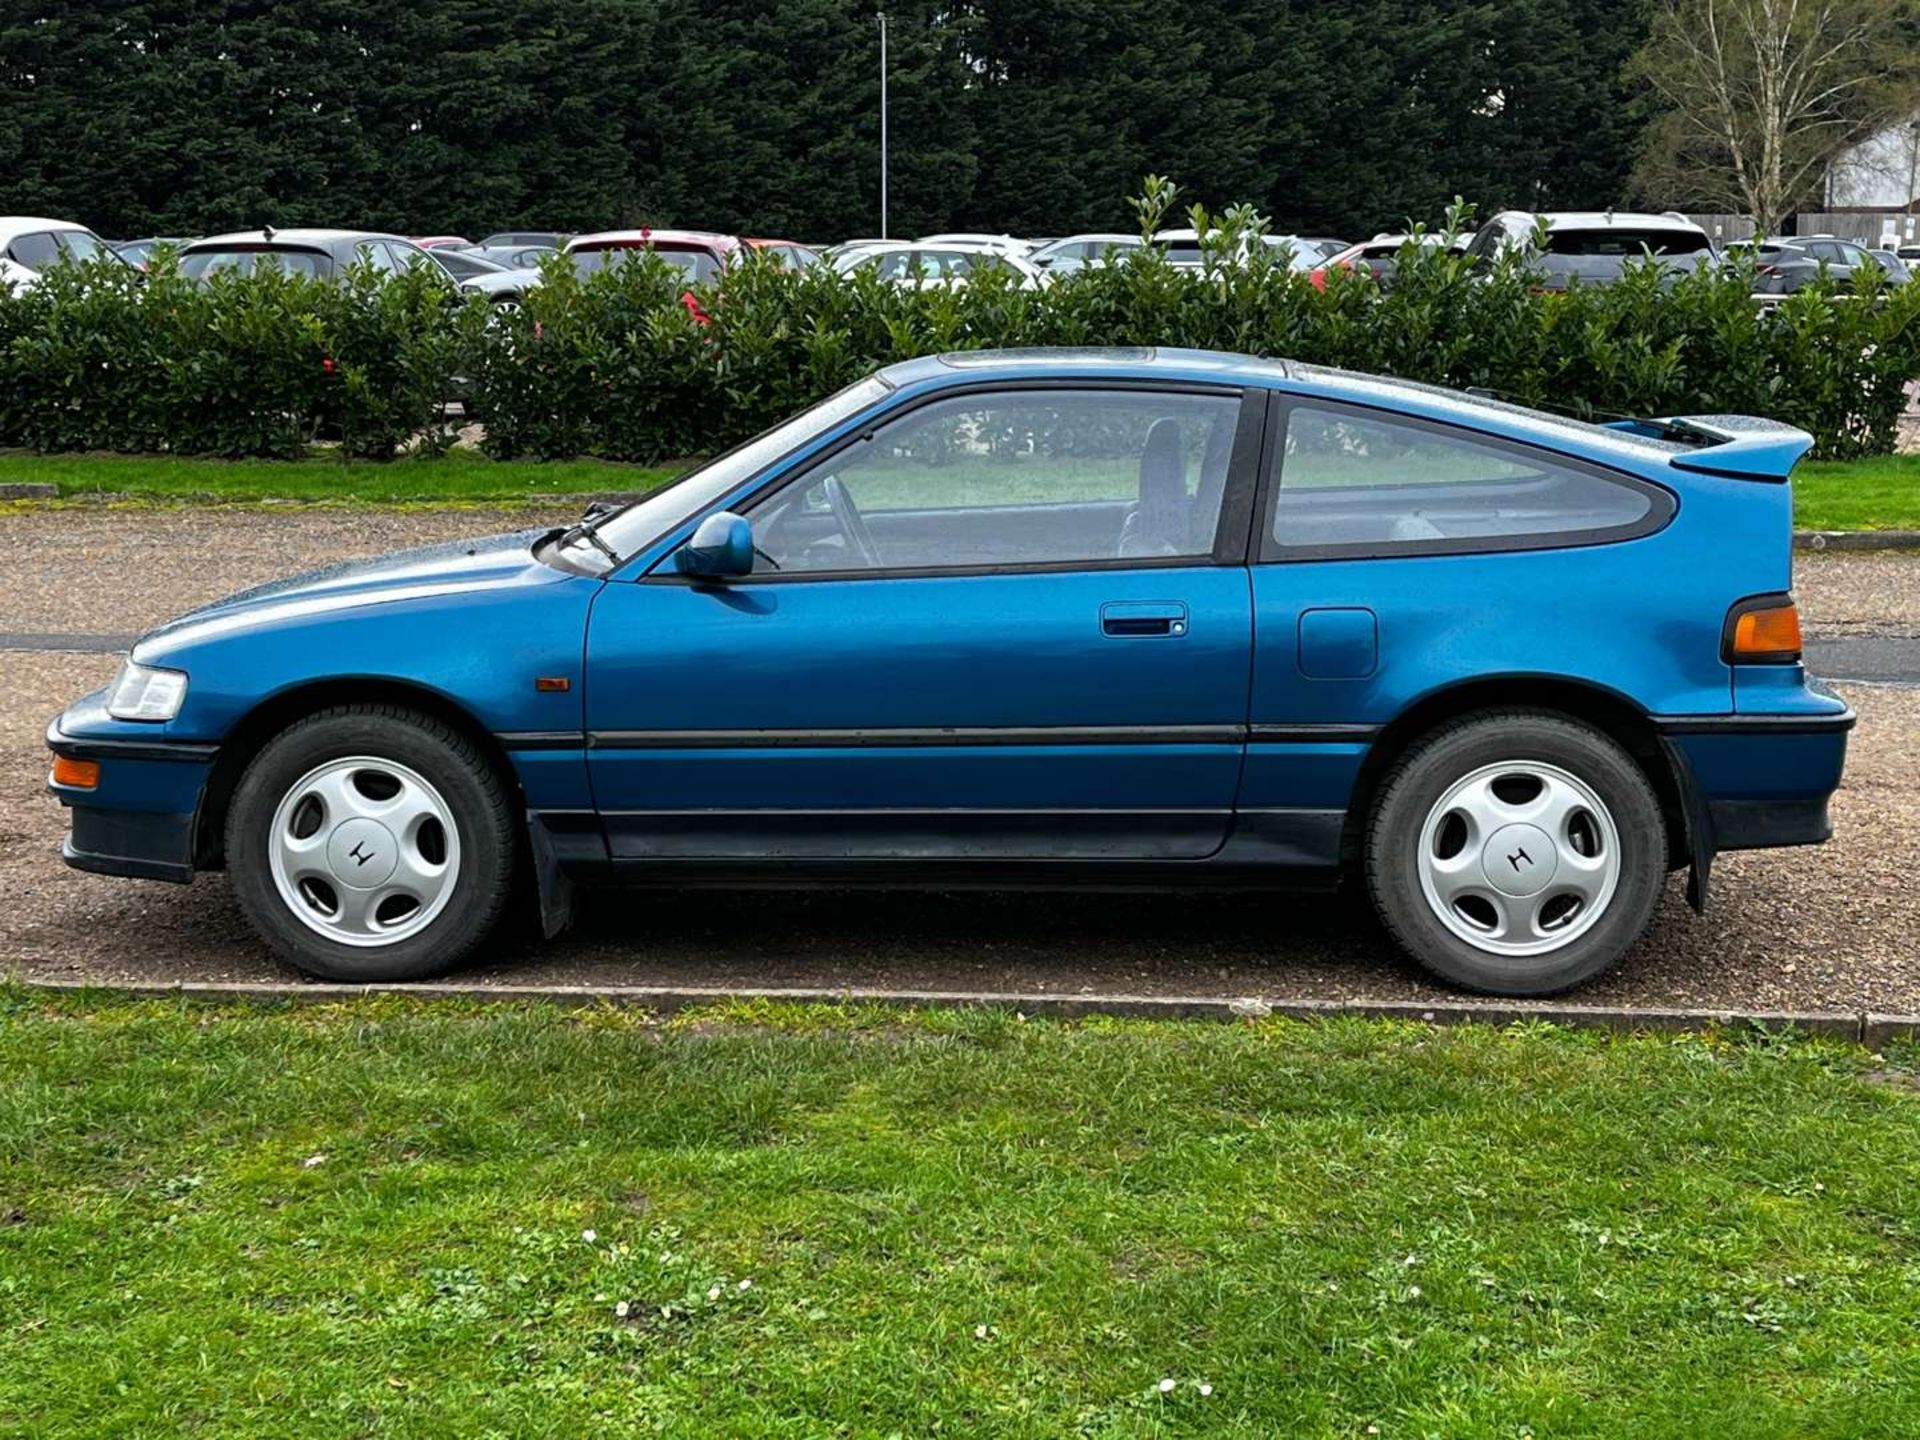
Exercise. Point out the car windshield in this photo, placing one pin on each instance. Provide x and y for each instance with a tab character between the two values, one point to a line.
197	264
80	245
698	265
645	521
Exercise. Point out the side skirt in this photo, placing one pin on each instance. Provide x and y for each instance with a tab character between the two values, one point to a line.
1057	850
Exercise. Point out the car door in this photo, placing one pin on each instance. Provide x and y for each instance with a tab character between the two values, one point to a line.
1006	624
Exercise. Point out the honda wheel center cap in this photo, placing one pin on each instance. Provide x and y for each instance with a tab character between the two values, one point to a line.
362	853
1519	860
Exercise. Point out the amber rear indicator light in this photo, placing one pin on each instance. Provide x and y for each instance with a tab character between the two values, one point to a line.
75	774
1764	630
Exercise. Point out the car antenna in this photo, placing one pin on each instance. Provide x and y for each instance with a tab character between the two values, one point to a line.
266	232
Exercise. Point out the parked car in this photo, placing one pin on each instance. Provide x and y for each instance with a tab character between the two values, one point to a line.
513	257
138	253
1788	264
1070	253
924	266
700	253
1326	245
1378	257
1896	268
442	242
464	265
520	239
788	252
33	244
1298	253
1594	247
1028	618
1183	248
1005	244
321	254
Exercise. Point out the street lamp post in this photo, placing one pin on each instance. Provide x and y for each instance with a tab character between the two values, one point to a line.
883	124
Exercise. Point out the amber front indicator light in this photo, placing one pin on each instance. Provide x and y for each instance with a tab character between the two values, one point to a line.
75	774
1764	632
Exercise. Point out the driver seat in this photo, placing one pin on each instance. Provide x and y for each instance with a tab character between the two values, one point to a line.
1157	523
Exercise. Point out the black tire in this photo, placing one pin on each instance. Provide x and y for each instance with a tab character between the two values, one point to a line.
482	813
1432	765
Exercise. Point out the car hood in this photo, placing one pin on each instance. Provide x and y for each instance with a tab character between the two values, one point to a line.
432	570
509	280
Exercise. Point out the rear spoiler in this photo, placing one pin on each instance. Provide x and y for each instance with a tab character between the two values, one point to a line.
1738	447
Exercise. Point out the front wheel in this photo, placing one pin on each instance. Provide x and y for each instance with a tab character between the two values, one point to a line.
369	842
1516	854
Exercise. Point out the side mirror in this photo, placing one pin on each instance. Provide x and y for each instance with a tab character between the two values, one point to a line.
721	548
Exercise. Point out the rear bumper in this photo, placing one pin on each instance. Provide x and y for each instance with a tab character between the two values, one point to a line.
1758	781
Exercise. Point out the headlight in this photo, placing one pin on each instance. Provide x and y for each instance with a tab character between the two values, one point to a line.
142	692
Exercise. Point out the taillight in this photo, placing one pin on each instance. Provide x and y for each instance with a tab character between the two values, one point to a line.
1762	630
1317	277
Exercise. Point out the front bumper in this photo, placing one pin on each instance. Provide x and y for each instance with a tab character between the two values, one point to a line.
141	819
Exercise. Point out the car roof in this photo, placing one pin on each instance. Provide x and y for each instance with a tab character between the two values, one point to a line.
1114	362
603	239
311	239
14	226
1602	220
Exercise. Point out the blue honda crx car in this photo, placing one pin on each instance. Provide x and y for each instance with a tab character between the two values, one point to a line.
1050	618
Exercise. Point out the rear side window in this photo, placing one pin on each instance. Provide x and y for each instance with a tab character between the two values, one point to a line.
198	264
36	251
1355	482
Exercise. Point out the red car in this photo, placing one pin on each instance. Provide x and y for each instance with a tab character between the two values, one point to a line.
702	254
1376	257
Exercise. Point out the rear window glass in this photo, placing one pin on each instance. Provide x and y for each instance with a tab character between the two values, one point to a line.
698	266
197	264
1625	243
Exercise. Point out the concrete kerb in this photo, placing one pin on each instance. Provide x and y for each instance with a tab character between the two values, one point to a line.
1861	1027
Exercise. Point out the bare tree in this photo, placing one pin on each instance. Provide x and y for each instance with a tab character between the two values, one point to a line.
1762	96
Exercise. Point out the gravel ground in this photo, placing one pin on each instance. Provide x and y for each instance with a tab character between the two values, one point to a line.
1829	928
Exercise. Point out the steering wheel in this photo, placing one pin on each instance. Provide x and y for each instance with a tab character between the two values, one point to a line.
852	523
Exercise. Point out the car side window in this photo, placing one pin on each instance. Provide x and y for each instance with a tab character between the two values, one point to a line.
403	255
1035	477
36	251
373	253
1355	482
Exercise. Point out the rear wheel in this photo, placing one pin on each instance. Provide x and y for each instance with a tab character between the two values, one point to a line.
369	842
1516	853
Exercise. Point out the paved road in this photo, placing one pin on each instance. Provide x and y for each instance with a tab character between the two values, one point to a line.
1818	929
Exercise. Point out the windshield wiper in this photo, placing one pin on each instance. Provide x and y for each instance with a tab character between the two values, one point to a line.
589	530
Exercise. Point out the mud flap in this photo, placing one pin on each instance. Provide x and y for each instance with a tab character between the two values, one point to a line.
556	889
1699	831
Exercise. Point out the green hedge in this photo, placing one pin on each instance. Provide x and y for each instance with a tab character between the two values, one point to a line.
617	366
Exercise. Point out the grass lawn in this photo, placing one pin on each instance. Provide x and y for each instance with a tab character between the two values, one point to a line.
1872	494
463	476
1878	494
400	1219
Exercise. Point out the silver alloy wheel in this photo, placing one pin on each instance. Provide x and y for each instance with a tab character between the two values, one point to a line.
1519	858
364	851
